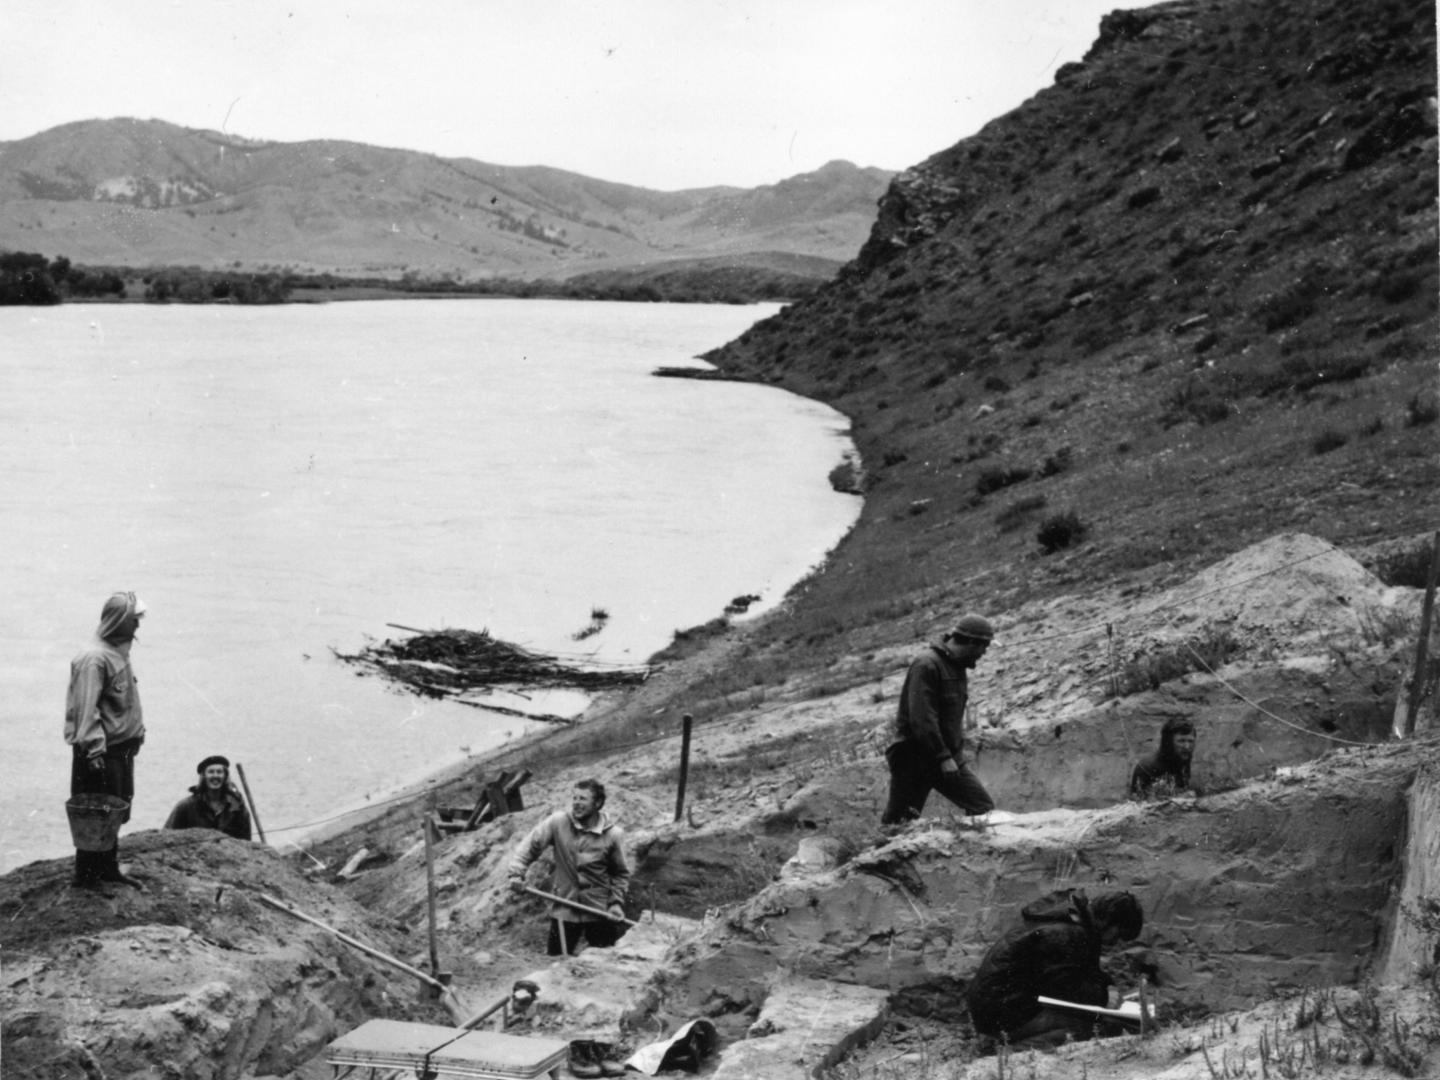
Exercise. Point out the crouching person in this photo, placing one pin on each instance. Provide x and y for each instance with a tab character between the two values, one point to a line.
213	803
1055	953
591	873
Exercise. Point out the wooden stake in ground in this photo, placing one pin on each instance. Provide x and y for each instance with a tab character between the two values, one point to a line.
254	816
1422	647
684	765
442	977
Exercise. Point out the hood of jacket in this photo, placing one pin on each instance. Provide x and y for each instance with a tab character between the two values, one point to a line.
118	619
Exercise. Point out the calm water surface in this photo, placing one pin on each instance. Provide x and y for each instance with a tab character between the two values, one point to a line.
277	483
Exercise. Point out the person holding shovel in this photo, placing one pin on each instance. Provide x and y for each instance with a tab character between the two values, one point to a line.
591	872
105	727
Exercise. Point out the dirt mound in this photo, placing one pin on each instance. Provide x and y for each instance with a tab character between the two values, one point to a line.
194	975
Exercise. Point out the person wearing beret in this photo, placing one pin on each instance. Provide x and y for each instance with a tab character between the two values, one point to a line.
213	803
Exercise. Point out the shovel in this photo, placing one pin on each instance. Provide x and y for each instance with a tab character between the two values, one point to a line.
579	906
443	978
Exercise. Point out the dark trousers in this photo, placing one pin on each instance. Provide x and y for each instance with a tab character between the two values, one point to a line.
913	775
117	778
600	934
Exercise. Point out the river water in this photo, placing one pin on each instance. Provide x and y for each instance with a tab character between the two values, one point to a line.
278	483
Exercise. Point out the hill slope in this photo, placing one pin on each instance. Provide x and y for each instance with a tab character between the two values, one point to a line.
1188	294
144	192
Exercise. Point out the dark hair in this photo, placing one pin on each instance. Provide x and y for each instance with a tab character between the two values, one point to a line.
1175	725
1120	910
596	788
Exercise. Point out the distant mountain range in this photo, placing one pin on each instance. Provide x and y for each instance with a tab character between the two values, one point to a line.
149	193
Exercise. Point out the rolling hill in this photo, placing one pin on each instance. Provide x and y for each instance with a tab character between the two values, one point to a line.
148	193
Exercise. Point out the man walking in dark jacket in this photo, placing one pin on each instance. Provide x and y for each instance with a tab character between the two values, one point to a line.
1054	952
924	752
213	803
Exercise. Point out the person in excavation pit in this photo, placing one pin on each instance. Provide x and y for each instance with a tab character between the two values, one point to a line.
213	803
105	726
1170	765
1054	952
924	753
590	869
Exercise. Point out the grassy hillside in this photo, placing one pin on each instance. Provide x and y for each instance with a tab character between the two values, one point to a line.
1181	300
148	193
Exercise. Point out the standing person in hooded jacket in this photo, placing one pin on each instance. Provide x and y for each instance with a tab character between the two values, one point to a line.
1169	764
924	753
1054	952
105	726
213	803
590	868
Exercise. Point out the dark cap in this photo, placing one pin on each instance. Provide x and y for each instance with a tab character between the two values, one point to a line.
974	628
213	759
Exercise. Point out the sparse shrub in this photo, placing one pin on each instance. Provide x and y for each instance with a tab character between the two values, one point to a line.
1423	408
1398	285
1014	515
1195	400
1307	371
1144	197
1328	440
894	457
1060	531
1299	301
1409	568
999	476
1058	462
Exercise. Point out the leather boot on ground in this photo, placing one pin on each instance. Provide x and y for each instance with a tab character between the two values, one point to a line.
584	1062
608	1059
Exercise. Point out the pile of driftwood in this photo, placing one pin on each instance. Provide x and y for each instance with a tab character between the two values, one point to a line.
455	663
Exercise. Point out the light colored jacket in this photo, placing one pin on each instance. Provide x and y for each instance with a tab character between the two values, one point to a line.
103	704
590	864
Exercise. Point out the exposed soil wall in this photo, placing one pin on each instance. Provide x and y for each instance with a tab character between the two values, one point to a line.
1411	951
1085	761
1250	893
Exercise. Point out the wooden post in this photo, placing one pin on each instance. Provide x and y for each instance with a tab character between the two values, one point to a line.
254	815
684	765
430	896
1422	647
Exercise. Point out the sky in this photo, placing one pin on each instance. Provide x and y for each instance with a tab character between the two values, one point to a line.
663	94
